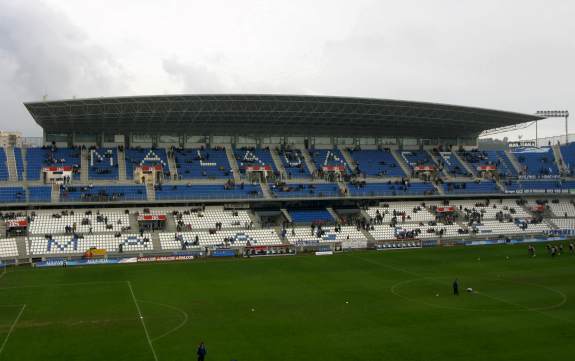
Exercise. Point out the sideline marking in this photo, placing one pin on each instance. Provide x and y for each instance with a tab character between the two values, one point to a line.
61	285
142	320
12	328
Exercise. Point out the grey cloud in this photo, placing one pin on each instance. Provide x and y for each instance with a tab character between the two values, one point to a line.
194	78
43	53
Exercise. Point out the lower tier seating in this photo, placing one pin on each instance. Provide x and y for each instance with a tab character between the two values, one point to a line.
78	245
305	235
79	222
224	238
8	248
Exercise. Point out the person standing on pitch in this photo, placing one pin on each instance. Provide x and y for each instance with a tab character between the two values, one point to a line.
456	287
202	352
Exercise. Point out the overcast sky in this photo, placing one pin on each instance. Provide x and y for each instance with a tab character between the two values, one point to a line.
510	55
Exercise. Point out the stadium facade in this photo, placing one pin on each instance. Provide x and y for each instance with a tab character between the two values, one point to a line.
155	175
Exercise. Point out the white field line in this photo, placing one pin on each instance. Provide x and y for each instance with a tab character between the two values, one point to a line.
142	320
12	328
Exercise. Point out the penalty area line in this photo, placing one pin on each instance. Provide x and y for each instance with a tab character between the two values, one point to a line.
12	327
142	320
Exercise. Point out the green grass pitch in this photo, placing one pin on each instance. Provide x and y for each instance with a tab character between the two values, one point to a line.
354	306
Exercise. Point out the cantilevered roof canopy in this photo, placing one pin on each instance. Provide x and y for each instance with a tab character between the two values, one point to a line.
255	115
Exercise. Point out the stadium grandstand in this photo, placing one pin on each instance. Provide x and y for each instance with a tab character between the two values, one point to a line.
157	175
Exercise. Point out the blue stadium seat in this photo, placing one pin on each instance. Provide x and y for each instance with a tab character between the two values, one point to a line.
391	189
377	163
452	165
103	164
294	163
305	190
40	194
498	159
568	154
103	193
38	158
4	173
12	195
202	163
329	158
145	156
310	216
539	186
254	157
175	192
471	187
537	162
417	158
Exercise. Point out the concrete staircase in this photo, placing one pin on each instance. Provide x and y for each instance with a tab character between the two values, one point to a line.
399	159
24	164
278	162
343	188
84	166
308	161
172	167
559	158
514	161
369	237
22	245
334	214
55	195
439	188
11	163
466	165
266	190
286	215
151	192
233	162
134	226
156	241
122	166
444	172
348	158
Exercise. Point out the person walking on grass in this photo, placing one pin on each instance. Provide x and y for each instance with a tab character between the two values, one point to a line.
202	352
456	287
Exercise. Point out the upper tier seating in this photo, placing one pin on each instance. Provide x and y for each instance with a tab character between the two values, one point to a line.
568	155
19	163
537	162
303	235
377	163
103	163
249	157
208	218
225	238
539	186
38	158
305	190
391	189
496	158
75	245
40	194
102	193
417	158
329	158
471	187
176	192
8	248
202	163
294	163
12	195
80	221
452	165
311	216
4	173
145	156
